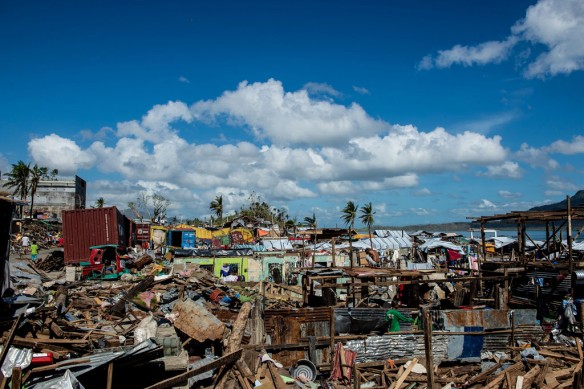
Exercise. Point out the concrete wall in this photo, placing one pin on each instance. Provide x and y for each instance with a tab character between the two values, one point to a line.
52	197
270	267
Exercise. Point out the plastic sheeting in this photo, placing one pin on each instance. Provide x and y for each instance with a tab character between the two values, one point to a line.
15	357
67	381
438	243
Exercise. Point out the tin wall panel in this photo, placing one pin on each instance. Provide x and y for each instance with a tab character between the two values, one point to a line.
83	228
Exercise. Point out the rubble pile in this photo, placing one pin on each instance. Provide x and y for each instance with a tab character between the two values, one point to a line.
55	261
539	365
43	234
172	315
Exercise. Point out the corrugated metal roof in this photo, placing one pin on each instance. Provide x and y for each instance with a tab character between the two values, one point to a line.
392	233
389	243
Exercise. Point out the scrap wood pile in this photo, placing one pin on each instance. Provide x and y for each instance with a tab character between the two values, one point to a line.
159	325
55	261
42	234
277	295
535	365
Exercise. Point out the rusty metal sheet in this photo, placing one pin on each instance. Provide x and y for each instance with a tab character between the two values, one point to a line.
487	318
197	322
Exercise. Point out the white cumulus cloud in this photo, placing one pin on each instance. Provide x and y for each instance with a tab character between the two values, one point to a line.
286	118
553	28
60	153
506	170
309	148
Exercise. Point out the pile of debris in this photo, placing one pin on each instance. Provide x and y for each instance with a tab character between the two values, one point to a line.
55	261
166	325
538	365
162	324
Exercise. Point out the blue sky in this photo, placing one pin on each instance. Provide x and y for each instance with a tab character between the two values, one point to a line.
432	111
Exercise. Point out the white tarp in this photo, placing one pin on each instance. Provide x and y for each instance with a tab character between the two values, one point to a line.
502	241
277	244
437	243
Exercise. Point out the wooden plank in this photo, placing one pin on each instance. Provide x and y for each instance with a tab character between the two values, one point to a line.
404	375
482	376
7	343
276	379
16	381
540	377
501	376
177	379
427	323
110	375
547	353
530	376
519	382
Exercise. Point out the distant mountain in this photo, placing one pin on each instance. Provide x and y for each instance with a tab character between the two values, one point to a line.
575	201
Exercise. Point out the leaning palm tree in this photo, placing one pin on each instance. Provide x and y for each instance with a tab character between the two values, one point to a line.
217	207
311	222
99	203
18	180
367	219
349	216
36	174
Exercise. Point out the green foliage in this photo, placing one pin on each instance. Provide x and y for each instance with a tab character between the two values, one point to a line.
367	218
217	207
24	180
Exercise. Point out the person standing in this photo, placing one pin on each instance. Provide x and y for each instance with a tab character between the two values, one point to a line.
34	251
25	243
393	316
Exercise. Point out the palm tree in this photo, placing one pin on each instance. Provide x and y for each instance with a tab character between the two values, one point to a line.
367	219
36	174
18	179
349	216
99	203
217	207
311	222
292	224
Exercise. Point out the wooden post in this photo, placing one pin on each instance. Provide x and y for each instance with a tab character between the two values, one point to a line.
519	241
332	334
506	286
428	347
479	262
16	381
555	232
512	328
354	295
334	264
110	375
234	342
523	239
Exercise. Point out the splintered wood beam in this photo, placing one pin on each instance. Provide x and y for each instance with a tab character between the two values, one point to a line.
404	375
8	341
